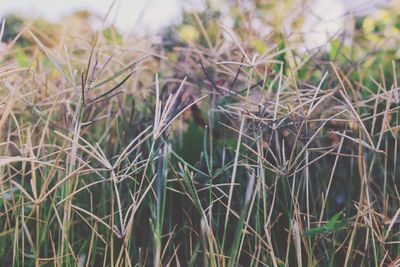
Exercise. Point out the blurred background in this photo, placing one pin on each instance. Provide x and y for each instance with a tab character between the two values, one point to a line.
320	19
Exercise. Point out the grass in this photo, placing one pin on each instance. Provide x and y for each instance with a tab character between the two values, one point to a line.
203	153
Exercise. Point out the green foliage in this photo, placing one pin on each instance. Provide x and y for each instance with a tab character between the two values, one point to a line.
22	59
112	35
192	143
332	225
14	26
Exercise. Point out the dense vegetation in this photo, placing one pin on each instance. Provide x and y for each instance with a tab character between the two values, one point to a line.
208	146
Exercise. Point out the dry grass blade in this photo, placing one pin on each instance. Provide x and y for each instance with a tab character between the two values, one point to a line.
52	59
292	161
3	24
8	160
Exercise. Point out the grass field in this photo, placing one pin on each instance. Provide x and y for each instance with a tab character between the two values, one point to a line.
208	147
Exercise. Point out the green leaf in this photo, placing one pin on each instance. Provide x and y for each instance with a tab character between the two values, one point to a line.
334	48
188	33
314	231
330	226
192	143
22	58
205	152
259	45
113	36
332	222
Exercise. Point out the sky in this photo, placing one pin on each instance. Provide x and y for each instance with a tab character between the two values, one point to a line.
150	15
